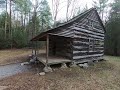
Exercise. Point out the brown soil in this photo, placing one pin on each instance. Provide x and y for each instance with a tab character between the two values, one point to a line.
13	56
102	76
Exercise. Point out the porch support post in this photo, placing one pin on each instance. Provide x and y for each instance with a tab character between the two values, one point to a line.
47	68
47	49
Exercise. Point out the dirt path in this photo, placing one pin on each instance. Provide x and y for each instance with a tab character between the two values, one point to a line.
12	69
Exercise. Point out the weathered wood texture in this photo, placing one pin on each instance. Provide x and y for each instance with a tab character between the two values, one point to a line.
88	43
80	39
87	39
47	49
60	46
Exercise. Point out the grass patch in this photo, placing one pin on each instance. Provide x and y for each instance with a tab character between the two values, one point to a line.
112	58
102	76
13	56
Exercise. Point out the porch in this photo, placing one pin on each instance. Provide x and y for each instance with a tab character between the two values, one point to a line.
51	60
56	51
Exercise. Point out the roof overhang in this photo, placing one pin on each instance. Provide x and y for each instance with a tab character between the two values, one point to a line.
42	36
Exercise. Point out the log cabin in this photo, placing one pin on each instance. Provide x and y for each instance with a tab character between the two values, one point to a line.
81	39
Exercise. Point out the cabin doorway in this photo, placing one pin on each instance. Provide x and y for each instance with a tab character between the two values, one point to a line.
54	48
60	46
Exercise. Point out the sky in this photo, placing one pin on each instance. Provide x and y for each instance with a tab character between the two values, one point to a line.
62	12
80	3
62	7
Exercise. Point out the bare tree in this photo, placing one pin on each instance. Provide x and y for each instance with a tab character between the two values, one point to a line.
10	30
68	6
55	9
6	21
100	5
73	8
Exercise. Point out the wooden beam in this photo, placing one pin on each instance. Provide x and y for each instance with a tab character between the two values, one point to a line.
47	49
86	56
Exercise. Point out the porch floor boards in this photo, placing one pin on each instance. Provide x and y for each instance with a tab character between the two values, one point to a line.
52	59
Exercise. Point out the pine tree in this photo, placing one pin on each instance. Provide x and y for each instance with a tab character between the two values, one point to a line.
113	30
45	15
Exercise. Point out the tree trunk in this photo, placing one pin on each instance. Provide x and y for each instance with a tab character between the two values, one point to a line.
35	15
21	19
10	24
115	49
68	5
6	22
17	20
14	25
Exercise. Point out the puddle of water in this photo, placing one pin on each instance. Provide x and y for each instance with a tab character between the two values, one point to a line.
12	69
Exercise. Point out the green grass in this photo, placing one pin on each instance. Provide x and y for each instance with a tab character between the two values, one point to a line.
112	58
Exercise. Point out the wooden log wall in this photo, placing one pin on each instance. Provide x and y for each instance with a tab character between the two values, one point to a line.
65	32
83	40
60	46
88	43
